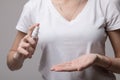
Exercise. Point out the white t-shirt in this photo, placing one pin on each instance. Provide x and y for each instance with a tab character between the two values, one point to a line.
61	40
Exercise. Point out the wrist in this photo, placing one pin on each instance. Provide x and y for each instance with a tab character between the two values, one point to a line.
109	62
103	61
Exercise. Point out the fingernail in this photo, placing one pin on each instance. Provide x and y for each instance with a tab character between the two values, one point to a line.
52	69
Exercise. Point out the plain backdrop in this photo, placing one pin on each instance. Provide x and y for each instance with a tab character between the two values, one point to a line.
10	11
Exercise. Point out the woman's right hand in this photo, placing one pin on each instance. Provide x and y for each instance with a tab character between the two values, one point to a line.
27	45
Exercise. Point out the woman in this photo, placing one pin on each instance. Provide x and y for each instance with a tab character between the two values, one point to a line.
69	30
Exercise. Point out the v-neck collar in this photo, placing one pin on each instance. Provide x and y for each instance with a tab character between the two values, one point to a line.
55	11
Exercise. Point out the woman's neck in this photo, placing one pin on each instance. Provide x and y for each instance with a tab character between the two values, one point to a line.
69	9
67	1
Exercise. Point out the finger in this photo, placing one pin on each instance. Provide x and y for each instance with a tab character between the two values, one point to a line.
31	51
22	51
31	29
64	67
24	45
25	39
31	41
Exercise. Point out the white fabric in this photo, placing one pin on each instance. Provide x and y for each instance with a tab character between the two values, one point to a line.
61	40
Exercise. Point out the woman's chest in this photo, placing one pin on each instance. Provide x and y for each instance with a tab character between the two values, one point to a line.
89	26
82	31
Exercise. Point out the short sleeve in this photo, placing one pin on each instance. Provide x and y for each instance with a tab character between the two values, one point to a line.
25	19
113	15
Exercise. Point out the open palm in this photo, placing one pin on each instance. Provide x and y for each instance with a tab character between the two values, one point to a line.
78	64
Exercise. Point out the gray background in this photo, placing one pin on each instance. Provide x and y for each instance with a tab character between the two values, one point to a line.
10	11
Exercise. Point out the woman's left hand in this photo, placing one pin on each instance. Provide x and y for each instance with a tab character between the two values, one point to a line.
78	64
